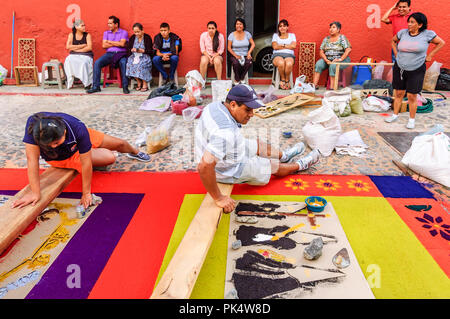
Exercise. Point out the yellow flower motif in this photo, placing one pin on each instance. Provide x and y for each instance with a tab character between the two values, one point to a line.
358	185
327	185
296	183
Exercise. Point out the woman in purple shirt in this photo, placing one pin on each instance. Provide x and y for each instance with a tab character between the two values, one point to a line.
65	142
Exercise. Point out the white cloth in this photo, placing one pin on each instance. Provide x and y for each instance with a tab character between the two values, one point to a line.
350	143
80	67
291	38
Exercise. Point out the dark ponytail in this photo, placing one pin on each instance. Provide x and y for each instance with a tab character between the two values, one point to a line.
216	36
46	129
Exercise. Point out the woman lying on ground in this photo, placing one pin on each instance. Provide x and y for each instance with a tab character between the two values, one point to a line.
65	142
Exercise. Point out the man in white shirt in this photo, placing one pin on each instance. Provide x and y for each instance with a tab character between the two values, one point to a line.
225	156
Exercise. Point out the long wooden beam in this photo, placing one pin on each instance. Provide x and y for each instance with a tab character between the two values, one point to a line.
13	221
181	274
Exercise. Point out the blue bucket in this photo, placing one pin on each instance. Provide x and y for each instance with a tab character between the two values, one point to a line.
361	73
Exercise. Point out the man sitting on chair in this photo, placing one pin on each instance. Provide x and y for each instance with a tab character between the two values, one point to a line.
225	156
115	42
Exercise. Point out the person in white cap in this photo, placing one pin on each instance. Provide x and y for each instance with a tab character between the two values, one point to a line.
224	155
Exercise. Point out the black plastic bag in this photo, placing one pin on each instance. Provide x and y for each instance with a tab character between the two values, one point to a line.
378	84
169	89
443	82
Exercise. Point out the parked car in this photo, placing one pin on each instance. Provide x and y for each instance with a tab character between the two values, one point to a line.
262	54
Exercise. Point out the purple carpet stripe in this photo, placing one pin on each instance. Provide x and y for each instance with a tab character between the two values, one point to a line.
89	249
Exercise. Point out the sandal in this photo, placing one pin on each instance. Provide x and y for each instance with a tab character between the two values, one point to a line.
138	88
283	85
144	89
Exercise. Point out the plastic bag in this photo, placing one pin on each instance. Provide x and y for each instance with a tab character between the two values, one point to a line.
191	113
3	74
431	76
356	102
374	104
194	84
429	156
158	139
159	103
378	71
267	96
301	87
338	101
322	130
220	89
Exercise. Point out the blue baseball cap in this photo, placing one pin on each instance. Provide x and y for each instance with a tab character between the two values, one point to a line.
245	94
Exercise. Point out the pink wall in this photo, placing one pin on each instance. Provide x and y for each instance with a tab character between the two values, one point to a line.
46	22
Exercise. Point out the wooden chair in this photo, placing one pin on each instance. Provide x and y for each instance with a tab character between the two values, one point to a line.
26	72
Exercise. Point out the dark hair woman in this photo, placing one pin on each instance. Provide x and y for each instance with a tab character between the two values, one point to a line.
212	45
139	63
334	48
284	44
410	47
65	142
80	61
239	42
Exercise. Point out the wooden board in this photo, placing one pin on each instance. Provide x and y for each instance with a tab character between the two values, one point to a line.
13	221
283	104
181	274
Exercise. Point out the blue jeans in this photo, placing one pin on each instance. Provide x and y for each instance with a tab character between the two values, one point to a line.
107	59
321	65
158	63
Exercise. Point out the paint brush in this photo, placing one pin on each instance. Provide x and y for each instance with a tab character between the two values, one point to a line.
287	231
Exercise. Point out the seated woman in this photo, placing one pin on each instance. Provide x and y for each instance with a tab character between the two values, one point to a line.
139	63
334	48
212	45
238	46
80	61
65	142
284	44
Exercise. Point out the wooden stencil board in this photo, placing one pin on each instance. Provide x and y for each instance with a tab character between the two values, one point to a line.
283	104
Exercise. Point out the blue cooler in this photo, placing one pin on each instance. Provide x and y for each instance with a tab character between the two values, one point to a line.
361	73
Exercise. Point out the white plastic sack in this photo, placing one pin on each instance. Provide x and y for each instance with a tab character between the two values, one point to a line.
190	113
374	104
338	101
378	71
322	130
429	156
159	103
301	86
194	83
220	89
3	73
267	96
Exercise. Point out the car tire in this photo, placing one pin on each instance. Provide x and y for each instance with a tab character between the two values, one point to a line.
264	60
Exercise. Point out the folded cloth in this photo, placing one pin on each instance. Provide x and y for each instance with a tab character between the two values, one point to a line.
351	143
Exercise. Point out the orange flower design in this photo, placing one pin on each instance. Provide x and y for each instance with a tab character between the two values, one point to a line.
328	185
296	183
359	185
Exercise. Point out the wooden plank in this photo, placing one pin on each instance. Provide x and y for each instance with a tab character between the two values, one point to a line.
181	274
283	104
13	221
361	63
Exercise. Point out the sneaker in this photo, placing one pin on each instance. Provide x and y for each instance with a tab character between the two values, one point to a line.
309	160
141	156
391	118
295	150
410	124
